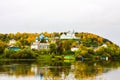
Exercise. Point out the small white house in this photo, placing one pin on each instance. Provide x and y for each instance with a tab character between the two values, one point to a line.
12	42
104	45
74	49
97	48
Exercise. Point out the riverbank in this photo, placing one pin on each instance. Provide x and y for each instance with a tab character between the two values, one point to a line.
49	57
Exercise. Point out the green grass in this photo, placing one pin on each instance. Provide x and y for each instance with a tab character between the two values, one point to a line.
17	59
44	57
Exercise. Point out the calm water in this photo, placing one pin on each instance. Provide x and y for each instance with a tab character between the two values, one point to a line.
63	70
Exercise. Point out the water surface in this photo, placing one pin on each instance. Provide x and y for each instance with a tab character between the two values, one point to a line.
62	70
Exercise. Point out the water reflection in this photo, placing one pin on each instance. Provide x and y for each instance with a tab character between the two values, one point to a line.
70	70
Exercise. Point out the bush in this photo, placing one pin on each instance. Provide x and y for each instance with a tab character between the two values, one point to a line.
25	54
21	54
8	53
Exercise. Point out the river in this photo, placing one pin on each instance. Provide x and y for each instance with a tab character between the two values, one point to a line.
59	70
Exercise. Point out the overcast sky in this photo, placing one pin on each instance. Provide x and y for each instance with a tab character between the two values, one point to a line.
101	17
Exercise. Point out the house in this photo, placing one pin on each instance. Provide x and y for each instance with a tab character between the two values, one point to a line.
74	49
97	48
12	42
12	45
104	45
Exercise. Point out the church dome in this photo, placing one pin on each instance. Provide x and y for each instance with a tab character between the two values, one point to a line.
36	38
46	38
41	37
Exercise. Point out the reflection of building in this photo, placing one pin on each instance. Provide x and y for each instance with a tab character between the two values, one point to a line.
40	44
34	69
70	76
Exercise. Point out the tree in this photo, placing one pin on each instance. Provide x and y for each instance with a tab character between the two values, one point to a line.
11	36
25	54
53	48
2	46
30	39
18	43
18	35
83	50
60	47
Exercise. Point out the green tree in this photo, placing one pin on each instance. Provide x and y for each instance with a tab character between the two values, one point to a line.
53	48
3	45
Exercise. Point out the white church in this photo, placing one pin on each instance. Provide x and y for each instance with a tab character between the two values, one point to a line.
69	35
38	45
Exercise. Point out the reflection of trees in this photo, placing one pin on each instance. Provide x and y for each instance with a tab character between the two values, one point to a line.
86	70
59	70
16	69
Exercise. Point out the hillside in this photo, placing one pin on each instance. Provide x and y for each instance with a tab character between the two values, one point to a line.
93	40
88	45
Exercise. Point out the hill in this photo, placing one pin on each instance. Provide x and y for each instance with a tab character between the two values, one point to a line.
89	39
88	44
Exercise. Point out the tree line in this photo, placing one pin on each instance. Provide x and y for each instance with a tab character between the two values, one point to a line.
89	45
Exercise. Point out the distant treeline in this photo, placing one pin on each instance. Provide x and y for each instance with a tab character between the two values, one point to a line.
89	45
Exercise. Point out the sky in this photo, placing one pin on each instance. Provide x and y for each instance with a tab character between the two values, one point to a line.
101	17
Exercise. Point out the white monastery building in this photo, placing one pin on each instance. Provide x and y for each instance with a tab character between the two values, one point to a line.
69	35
